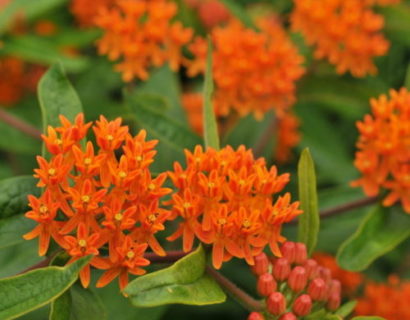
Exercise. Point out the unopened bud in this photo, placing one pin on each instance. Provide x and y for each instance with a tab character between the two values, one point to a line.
261	265
302	305
297	279
288	250
256	316
318	289
281	269
266	284
334	301
300	253
288	316
311	268
335	287
325	274
276	303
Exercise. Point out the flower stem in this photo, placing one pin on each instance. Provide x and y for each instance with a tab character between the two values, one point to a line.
233	290
348	206
20	125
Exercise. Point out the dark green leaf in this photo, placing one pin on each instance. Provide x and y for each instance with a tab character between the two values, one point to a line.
308	221
61	307
31	290
380	232
397	23
13	195
12	229
210	127
167	129
346	309
238	12
184	282
368	318
407	80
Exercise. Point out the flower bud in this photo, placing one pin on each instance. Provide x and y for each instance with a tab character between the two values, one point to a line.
335	287
311	267
288	316
276	303
288	250
317	289
300	253
266	284
297	279
261	265
302	305
256	316
334	301
281	269
325	274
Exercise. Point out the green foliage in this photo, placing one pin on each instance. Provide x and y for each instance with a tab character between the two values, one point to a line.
380	232
12	229
239	13
309	220
31	290
346	309
185	282
368	318
210	127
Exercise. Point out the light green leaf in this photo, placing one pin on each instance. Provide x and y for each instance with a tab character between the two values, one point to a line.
380	232
368	318
184	282
13	195
309	221
61	307
210	126
167	129
23	293
346	309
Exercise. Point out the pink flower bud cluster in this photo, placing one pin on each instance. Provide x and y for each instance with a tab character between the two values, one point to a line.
293	285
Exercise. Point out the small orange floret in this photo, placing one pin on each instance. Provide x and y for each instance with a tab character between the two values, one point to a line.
350	281
388	300
225	198
384	148
85	11
288	136
92	198
345	32
192	103
254	72
140	34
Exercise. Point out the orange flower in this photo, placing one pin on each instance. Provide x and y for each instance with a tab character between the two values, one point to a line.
384	148
94	199
345	32
140	33
288	136
85	11
212	12
225	198
192	103
253	71
388	300
350	280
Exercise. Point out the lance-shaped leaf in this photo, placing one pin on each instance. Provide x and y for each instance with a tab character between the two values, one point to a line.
210	127
34	289
346	309
13	195
368	318
308	221
184	282
380	232
236	9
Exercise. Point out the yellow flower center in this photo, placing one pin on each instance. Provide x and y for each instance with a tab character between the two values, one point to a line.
59	142
130	254
87	161
211	184
51	171
85	198
221	221
197	159
43	209
241	182
246	224
110	138
152	218
138	158
151	186
122	174
82	243
187	205
118	217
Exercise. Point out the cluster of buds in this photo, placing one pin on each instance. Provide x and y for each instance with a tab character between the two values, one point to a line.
102	202
293	285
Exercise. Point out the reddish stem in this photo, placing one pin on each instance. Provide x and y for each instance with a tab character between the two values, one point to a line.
20	124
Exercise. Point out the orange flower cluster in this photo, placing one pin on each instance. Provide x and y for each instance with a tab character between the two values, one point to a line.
94	199
346	32
85	11
288	136
141	34
16	79
192	103
253	71
384	148
225	198
390	301
350	281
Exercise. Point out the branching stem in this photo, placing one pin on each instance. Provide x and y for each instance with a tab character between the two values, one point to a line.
20	125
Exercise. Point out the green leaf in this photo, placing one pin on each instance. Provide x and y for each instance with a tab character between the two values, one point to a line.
167	129
308	221
13	195
41	50
379	232
12	229
368	318
185	282
23	293
407	80
346	309
239	13
397	19
210	127
29	8
61	307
